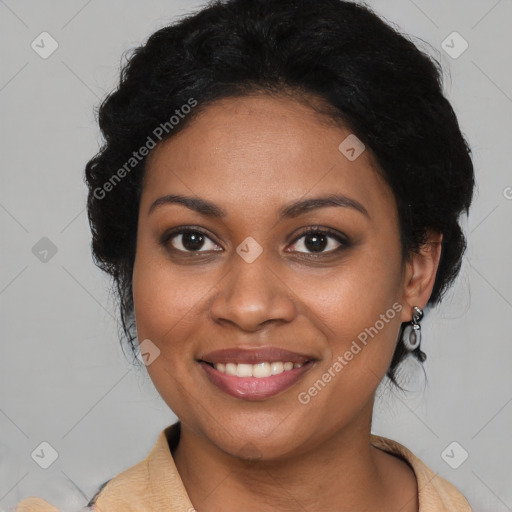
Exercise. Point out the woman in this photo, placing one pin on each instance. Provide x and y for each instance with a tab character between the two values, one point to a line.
277	201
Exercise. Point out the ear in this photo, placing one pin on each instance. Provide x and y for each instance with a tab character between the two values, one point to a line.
420	274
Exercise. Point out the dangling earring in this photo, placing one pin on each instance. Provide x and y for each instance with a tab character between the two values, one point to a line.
412	334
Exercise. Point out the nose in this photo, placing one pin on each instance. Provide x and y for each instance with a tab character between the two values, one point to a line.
252	294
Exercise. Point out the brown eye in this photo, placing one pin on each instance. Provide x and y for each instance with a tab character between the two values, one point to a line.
187	240
316	241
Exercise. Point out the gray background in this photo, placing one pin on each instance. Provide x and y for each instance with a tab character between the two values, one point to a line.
64	378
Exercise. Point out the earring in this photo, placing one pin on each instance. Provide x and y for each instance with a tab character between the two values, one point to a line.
412	333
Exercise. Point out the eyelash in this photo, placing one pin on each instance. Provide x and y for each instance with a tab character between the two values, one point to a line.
341	239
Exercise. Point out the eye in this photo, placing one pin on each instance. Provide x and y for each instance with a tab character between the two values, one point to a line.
189	240
316	240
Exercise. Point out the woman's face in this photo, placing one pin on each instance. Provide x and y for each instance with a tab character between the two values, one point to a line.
252	278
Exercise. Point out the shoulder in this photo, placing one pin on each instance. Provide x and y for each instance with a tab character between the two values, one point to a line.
124	492
68	500
151	484
33	504
435	494
128	491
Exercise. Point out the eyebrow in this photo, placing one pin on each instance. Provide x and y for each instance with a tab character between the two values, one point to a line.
209	209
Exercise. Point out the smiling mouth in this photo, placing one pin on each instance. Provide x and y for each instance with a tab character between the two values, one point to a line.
260	370
255	373
258	381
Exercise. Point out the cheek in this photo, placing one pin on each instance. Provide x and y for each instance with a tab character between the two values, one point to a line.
163	305
166	297
358	313
357	308
170	303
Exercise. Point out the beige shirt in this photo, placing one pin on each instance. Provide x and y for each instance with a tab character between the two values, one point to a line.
154	484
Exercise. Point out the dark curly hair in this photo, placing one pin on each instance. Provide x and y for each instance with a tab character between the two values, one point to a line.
373	79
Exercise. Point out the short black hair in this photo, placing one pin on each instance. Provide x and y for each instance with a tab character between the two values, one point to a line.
373	78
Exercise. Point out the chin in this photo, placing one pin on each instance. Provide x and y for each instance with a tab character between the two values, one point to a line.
256	439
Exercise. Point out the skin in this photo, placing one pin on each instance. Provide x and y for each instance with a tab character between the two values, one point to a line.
251	156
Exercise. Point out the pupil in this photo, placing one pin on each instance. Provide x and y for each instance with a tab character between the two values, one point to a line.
192	241
319	242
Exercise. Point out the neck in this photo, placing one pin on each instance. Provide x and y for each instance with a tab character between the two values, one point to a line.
342	472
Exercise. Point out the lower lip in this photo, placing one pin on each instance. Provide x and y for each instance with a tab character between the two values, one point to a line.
253	388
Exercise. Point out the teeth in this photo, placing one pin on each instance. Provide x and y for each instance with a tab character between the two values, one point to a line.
230	368
276	368
244	370
259	370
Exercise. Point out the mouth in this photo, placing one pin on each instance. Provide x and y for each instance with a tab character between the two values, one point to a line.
259	370
255	374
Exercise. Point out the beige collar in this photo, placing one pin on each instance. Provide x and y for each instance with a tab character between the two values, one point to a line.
154	484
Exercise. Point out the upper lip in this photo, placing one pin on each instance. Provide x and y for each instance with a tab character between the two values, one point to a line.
254	355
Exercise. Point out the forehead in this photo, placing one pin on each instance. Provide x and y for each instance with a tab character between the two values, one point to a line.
259	151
